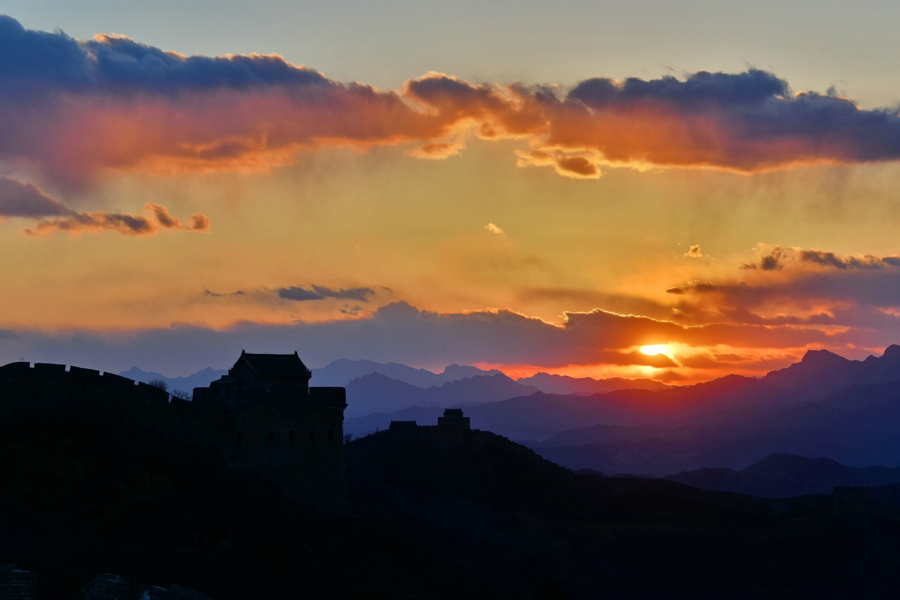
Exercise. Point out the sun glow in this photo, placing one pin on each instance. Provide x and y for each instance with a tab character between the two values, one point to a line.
655	349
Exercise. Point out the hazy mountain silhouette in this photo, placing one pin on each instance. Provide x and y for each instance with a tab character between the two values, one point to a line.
821	372
786	475
823	406
199	379
377	393
342	372
540	416
586	386
616	433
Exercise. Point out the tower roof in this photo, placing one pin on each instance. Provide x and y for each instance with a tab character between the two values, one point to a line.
275	365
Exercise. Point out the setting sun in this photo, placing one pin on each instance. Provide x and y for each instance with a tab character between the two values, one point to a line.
655	349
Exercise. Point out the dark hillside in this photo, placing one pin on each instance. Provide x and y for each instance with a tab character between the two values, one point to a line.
786	475
96	482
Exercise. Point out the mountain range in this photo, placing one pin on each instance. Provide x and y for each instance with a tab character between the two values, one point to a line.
374	387
823	406
379	393
186	384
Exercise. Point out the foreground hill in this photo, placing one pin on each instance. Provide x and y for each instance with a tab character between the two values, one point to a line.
98	482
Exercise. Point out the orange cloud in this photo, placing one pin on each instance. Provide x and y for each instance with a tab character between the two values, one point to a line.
74	108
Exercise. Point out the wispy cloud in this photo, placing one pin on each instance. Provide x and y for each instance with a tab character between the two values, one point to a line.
773	258
320	292
490	227
211	294
76	223
22	199
694	252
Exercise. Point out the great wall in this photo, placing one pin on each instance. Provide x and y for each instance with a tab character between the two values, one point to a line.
78	376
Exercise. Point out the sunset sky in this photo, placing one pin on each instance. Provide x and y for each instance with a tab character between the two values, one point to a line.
639	189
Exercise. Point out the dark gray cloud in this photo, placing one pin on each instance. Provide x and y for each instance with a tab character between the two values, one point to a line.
813	288
830	259
125	223
320	292
35	58
778	257
211	294
747	121
700	90
577	165
21	199
119	65
195	111
694	287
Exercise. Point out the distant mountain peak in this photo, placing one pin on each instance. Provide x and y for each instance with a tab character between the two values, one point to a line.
455	371
822	357
892	353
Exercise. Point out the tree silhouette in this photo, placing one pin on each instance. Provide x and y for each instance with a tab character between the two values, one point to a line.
159	384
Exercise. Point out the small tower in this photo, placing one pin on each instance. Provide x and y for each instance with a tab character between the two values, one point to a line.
453	426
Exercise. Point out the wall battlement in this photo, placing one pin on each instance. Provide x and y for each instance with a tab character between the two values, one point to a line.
83	377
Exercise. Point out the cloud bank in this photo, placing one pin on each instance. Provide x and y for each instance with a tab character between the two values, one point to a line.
74	108
852	298
401	332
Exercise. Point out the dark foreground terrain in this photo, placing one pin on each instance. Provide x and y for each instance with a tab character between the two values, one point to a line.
93	483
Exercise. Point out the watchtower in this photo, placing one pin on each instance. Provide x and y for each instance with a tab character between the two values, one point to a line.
281	427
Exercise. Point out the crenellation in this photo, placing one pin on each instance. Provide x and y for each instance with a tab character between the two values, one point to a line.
48	370
16	370
83	377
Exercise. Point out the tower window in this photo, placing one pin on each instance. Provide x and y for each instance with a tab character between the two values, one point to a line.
291	435
271	436
330	435
239	439
312	435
